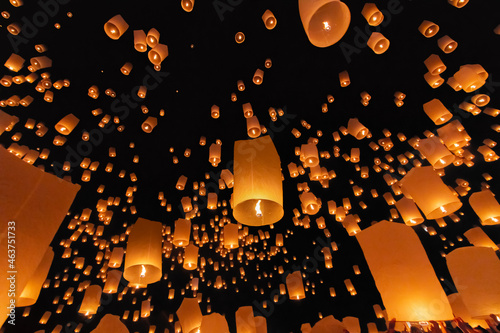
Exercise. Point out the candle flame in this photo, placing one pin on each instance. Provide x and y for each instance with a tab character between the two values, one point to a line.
143	273
257	209
327	26
494	219
443	210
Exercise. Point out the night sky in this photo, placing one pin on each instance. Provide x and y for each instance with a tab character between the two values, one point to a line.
201	70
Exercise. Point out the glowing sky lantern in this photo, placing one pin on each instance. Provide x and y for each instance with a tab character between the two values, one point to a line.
407	295
325	21
258	191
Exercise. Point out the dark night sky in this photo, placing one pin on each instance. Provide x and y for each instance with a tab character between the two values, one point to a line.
202	69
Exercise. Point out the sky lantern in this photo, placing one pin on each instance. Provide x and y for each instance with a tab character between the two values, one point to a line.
378	43
428	29
447	44
325	21
214	323
372	14
258	191
115	27
110	323
30	293
67	124
49	198
435	152
189	314
158	53
295	286
231	236
486	207
407	296
143	258
409	212
477	237
190	257
431	195
182	232
269	19
91	300
245	321
480	291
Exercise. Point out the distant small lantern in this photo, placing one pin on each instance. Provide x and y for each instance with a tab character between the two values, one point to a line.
269	19
115	27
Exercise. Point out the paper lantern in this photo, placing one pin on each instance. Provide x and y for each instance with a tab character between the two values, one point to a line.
446	44
428	29
113	278
429	192
239	37
15	62
91	300
253	127
110	323
140	42
477	237
409	212
245	321
230	236
328	325
325	21
189	315
214	323
258	191
214	156
458	3
295	286
157	54
190	257
434	80
309	155
435	152
115	27
461	311
378	43
475	272
269	19
28	194
310	204
403	274
434	64
30	292
143	258
187	5
486	207
149	124
372	14
356	129
469	78
66	125
182	232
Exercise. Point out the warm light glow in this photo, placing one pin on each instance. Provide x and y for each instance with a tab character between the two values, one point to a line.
327	26
443	209
258	212
143	272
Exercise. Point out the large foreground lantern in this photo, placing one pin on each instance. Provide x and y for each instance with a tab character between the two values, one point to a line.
33	204
143	259
429	192
30	293
486	207
189	315
258	189
403	274
325	21
475	271
110	323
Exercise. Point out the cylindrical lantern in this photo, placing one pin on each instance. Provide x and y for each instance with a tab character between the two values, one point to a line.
394	253
258	190
182	232
486	207
230	236
428	29
190	257
15	62
258	76
115	27
409	212
434	64
438	113
253	127
477	237
446	44
148	125
67	124
113	278
30	292
158	54
469	78
309	155
91	300
429	192
435	152
356	129
295	286
187	5
434	81
214	323
325	21
140	43
475	272
111	323
143	258
310	204
153	37
378	43
269	19
189	315
372	14
214	154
